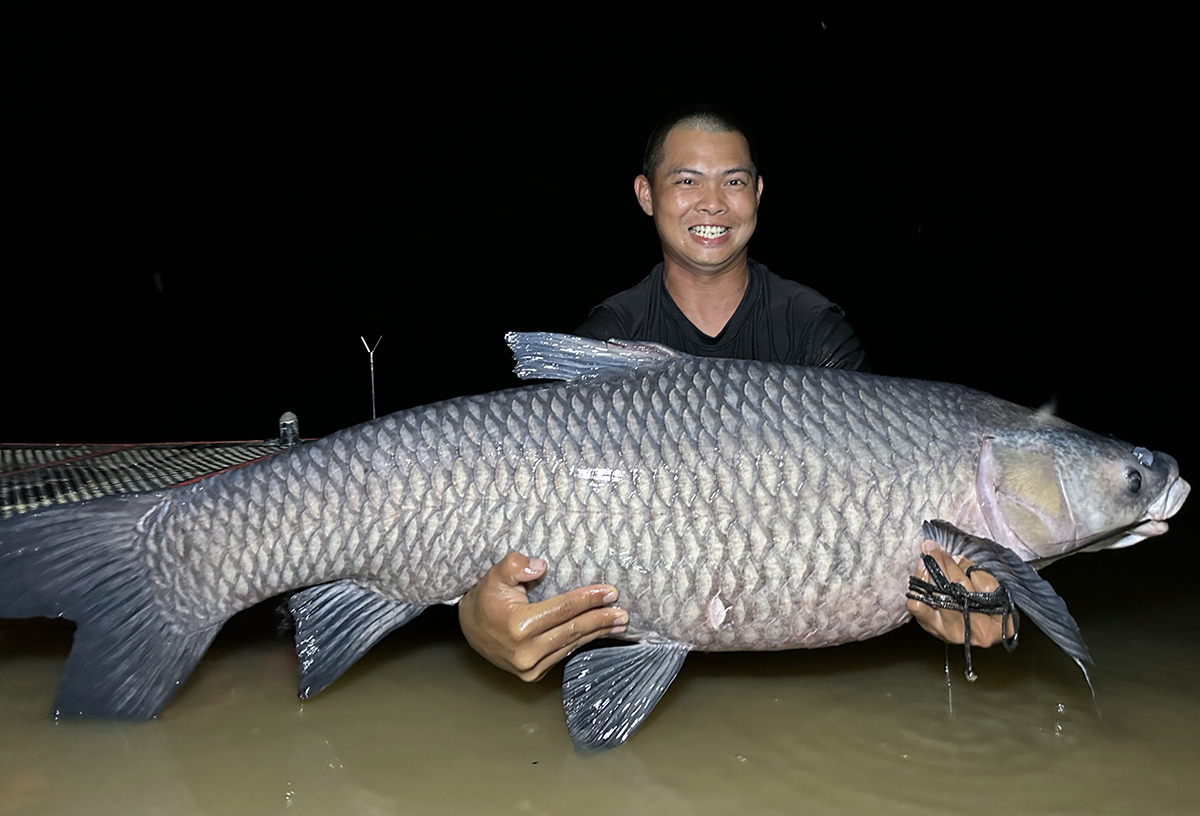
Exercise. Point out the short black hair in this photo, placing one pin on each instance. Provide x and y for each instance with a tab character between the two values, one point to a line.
708	118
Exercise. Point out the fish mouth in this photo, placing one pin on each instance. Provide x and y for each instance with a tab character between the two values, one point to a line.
1169	502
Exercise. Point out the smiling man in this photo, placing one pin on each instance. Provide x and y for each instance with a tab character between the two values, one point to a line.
701	185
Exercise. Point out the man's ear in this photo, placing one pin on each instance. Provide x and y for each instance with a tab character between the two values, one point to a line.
641	189
759	199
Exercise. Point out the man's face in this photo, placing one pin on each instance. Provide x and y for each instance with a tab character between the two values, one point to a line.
703	199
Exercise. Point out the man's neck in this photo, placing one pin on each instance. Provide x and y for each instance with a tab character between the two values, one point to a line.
708	301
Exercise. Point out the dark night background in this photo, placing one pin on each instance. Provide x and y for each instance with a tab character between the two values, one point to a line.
206	210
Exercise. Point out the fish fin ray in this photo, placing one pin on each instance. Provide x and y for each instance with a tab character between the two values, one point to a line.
1030	592
608	692
336	624
84	562
550	356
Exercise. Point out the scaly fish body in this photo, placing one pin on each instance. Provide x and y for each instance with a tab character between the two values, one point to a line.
736	504
791	499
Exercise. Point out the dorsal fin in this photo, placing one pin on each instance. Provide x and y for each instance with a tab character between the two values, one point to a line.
550	356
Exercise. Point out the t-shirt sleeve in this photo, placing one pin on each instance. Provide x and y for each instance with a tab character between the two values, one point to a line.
830	341
602	324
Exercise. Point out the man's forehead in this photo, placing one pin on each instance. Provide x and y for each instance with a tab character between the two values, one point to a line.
685	147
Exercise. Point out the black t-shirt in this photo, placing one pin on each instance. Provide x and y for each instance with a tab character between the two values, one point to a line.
778	321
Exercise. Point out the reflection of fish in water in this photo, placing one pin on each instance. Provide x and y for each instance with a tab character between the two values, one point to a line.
738	505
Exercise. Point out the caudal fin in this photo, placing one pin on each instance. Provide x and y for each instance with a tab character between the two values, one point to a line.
85	562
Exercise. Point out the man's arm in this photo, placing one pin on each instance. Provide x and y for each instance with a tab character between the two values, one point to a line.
829	340
528	639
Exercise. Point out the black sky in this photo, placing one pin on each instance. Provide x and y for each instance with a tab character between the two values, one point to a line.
205	210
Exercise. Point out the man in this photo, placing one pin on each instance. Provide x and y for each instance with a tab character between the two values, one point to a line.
700	183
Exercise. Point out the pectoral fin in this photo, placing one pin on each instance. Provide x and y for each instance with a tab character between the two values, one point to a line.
1029	591
607	692
336	624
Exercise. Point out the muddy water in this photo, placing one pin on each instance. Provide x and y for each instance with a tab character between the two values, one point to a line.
423	726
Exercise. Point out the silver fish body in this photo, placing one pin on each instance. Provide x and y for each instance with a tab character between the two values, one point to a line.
736	504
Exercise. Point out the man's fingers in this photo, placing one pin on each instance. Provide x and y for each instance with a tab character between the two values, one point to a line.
955	569
948	624
549	662
537	656
925	615
553	612
515	569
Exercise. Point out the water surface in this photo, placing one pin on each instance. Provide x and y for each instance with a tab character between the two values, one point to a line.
423	726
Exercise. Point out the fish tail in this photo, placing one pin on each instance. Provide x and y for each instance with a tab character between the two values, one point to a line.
86	562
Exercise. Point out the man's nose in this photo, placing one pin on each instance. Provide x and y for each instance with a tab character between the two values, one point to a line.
711	202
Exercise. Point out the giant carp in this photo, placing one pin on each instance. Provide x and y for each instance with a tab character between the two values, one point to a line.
737	505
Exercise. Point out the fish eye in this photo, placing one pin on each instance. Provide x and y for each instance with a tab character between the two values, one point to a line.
1144	457
1133	479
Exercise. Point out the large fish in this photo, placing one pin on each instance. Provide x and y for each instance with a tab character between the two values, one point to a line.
737	505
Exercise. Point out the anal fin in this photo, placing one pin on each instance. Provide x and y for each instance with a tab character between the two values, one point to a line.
336	624
608	692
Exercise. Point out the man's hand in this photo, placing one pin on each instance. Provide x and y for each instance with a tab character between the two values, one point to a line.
947	624
528	639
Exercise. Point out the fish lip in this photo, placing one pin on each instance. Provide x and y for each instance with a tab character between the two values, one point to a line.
1169	501
1148	528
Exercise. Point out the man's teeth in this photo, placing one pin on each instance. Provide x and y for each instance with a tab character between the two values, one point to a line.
709	232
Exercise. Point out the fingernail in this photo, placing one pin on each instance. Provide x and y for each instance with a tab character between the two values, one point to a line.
535	565
928	547
621	619
610	596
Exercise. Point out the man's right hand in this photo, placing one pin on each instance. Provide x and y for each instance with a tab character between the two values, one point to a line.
528	639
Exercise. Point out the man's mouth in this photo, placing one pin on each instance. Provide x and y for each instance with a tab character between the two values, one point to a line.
705	231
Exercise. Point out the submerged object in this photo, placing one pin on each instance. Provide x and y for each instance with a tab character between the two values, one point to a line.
737	505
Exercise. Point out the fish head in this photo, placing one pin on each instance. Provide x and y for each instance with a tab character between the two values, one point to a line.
1051	491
